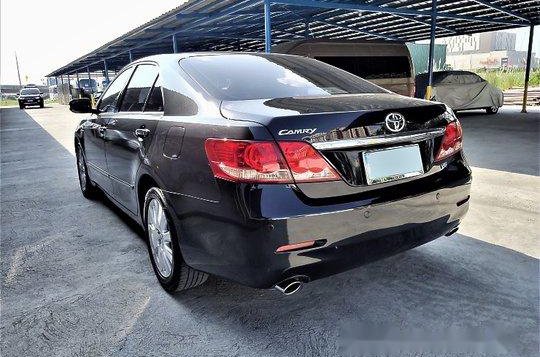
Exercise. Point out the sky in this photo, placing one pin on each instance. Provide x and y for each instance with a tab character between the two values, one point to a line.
48	34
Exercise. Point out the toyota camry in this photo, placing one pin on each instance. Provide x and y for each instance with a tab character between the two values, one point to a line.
269	170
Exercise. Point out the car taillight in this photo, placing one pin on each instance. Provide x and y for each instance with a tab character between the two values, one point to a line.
452	141
306	164
263	162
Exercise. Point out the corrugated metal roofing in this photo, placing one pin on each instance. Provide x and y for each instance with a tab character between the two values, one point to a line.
229	25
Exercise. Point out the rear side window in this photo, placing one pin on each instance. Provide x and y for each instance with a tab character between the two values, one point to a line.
139	88
109	99
155	99
376	67
258	76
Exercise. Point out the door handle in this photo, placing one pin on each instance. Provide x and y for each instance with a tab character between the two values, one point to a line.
142	133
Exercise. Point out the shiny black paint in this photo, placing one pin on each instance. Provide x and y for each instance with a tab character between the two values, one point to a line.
232	230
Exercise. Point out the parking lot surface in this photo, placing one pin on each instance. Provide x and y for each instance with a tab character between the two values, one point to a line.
76	278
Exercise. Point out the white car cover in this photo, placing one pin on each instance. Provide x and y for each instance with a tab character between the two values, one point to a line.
460	90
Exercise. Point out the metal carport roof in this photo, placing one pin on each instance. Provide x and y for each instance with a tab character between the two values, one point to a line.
231	25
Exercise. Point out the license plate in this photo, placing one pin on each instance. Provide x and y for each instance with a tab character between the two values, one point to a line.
392	164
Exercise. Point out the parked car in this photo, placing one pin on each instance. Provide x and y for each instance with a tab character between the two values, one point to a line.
461	90
30	96
268	169
387	64
85	87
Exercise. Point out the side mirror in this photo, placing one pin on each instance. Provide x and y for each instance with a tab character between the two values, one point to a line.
82	105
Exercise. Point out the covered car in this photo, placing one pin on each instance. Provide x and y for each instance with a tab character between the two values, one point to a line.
461	90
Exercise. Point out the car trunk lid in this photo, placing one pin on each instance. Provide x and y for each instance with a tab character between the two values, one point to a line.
344	127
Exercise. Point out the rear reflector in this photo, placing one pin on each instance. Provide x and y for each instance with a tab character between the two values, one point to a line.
265	162
296	246
452	141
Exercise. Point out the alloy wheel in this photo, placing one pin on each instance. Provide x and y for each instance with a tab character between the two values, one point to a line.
160	238
82	170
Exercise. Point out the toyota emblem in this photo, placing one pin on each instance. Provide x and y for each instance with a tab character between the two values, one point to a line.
394	122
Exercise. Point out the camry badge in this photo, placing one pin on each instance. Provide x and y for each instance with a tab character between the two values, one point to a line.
296	131
394	122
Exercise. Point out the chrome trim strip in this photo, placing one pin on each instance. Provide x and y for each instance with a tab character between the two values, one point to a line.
190	196
379	140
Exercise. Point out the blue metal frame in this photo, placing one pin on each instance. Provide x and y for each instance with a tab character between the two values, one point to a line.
106	70
174	43
267	27
389	10
431	47
238	25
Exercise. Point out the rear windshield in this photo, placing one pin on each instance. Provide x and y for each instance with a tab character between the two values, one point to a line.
30	91
85	82
258	76
376	67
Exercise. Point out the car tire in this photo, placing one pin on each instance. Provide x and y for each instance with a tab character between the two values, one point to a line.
42	104
492	110
88	188
21	106
162	239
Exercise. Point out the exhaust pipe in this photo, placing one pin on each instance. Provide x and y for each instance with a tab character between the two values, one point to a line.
291	285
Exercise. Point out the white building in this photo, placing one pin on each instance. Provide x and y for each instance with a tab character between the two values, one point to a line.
485	50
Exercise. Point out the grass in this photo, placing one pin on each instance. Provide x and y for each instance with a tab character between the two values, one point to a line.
15	103
509	78
8	103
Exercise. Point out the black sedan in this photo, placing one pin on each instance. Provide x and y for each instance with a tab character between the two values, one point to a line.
30	97
269	170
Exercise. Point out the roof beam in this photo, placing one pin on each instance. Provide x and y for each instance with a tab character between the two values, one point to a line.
161	29
389	10
501	9
427	23
354	29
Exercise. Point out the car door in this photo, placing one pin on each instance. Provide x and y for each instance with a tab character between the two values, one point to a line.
130	132
95	131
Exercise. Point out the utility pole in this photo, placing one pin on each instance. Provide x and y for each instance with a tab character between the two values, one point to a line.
18	72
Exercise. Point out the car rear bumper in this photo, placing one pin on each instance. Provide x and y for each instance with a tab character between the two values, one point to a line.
225	240
30	101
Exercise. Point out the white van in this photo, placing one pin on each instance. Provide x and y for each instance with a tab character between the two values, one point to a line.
387	64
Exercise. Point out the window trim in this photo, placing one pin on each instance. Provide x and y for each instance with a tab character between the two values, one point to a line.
120	94
137	65
151	92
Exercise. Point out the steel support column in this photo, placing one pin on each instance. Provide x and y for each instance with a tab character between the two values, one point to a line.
431	47
267	27
68	88
106	71
527	70
174	43
78	83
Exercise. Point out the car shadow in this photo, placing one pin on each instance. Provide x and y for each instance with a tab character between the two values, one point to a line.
451	281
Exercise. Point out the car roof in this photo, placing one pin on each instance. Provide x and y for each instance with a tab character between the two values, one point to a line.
175	57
